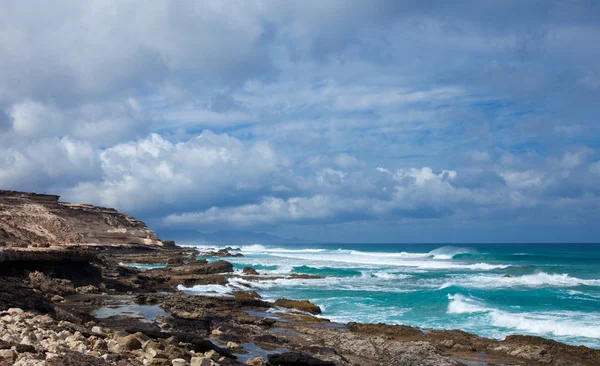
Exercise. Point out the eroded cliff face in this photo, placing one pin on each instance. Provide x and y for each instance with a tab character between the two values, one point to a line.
39	220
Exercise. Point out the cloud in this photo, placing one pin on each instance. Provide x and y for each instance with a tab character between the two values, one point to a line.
308	113
153	173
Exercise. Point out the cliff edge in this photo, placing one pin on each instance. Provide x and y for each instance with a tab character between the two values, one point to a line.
41	220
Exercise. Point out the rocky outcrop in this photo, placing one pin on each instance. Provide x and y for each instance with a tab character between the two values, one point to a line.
40	220
302	305
249	271
69	264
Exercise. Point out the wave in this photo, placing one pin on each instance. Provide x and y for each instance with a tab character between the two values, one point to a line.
259	248
559	323
384	259
449	252
536	280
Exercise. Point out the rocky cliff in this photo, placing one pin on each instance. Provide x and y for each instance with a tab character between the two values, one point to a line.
40	220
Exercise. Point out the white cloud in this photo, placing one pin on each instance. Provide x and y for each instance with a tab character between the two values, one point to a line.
151	172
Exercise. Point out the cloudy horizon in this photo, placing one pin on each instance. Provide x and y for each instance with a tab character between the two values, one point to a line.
345	121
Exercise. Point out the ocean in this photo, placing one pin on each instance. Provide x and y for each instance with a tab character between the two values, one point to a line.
493	290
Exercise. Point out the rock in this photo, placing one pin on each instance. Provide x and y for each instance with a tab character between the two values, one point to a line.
30	218
130	343
30	362
201	361
75	359
212	354
179	362
234	347
507	276
257	361
15	311
99	345
203	267
97	329
159	362
8	355
89	289
57	298
27	341
302	305
249	270
216	332
297	359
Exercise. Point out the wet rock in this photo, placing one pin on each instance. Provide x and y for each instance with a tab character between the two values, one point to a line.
250	271
297	359
302	305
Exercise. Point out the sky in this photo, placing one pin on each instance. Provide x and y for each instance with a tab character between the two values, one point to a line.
346	121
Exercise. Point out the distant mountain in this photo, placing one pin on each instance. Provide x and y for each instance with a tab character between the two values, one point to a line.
232	237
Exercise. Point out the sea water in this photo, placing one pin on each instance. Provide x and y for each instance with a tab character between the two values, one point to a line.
549	290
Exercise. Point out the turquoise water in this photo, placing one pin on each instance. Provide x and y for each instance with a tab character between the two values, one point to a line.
553	289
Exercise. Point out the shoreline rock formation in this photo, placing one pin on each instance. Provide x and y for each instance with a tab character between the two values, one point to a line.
41	220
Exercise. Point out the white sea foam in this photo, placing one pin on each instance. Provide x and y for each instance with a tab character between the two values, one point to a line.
564	324
385	259
460	304
227	290
388	276
258	248
536	280
558	323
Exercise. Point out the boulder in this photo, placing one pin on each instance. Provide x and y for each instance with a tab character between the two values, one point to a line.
8	355
249	271
302	305
130	343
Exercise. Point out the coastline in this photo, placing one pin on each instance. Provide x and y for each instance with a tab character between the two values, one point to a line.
70	296
128	303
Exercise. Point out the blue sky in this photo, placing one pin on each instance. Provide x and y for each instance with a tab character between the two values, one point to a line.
372	121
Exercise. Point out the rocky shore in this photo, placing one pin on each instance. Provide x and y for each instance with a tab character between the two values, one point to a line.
78	303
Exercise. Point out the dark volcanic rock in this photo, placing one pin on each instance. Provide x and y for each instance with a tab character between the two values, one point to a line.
14	294
70	264
221	253
297	359
203	267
